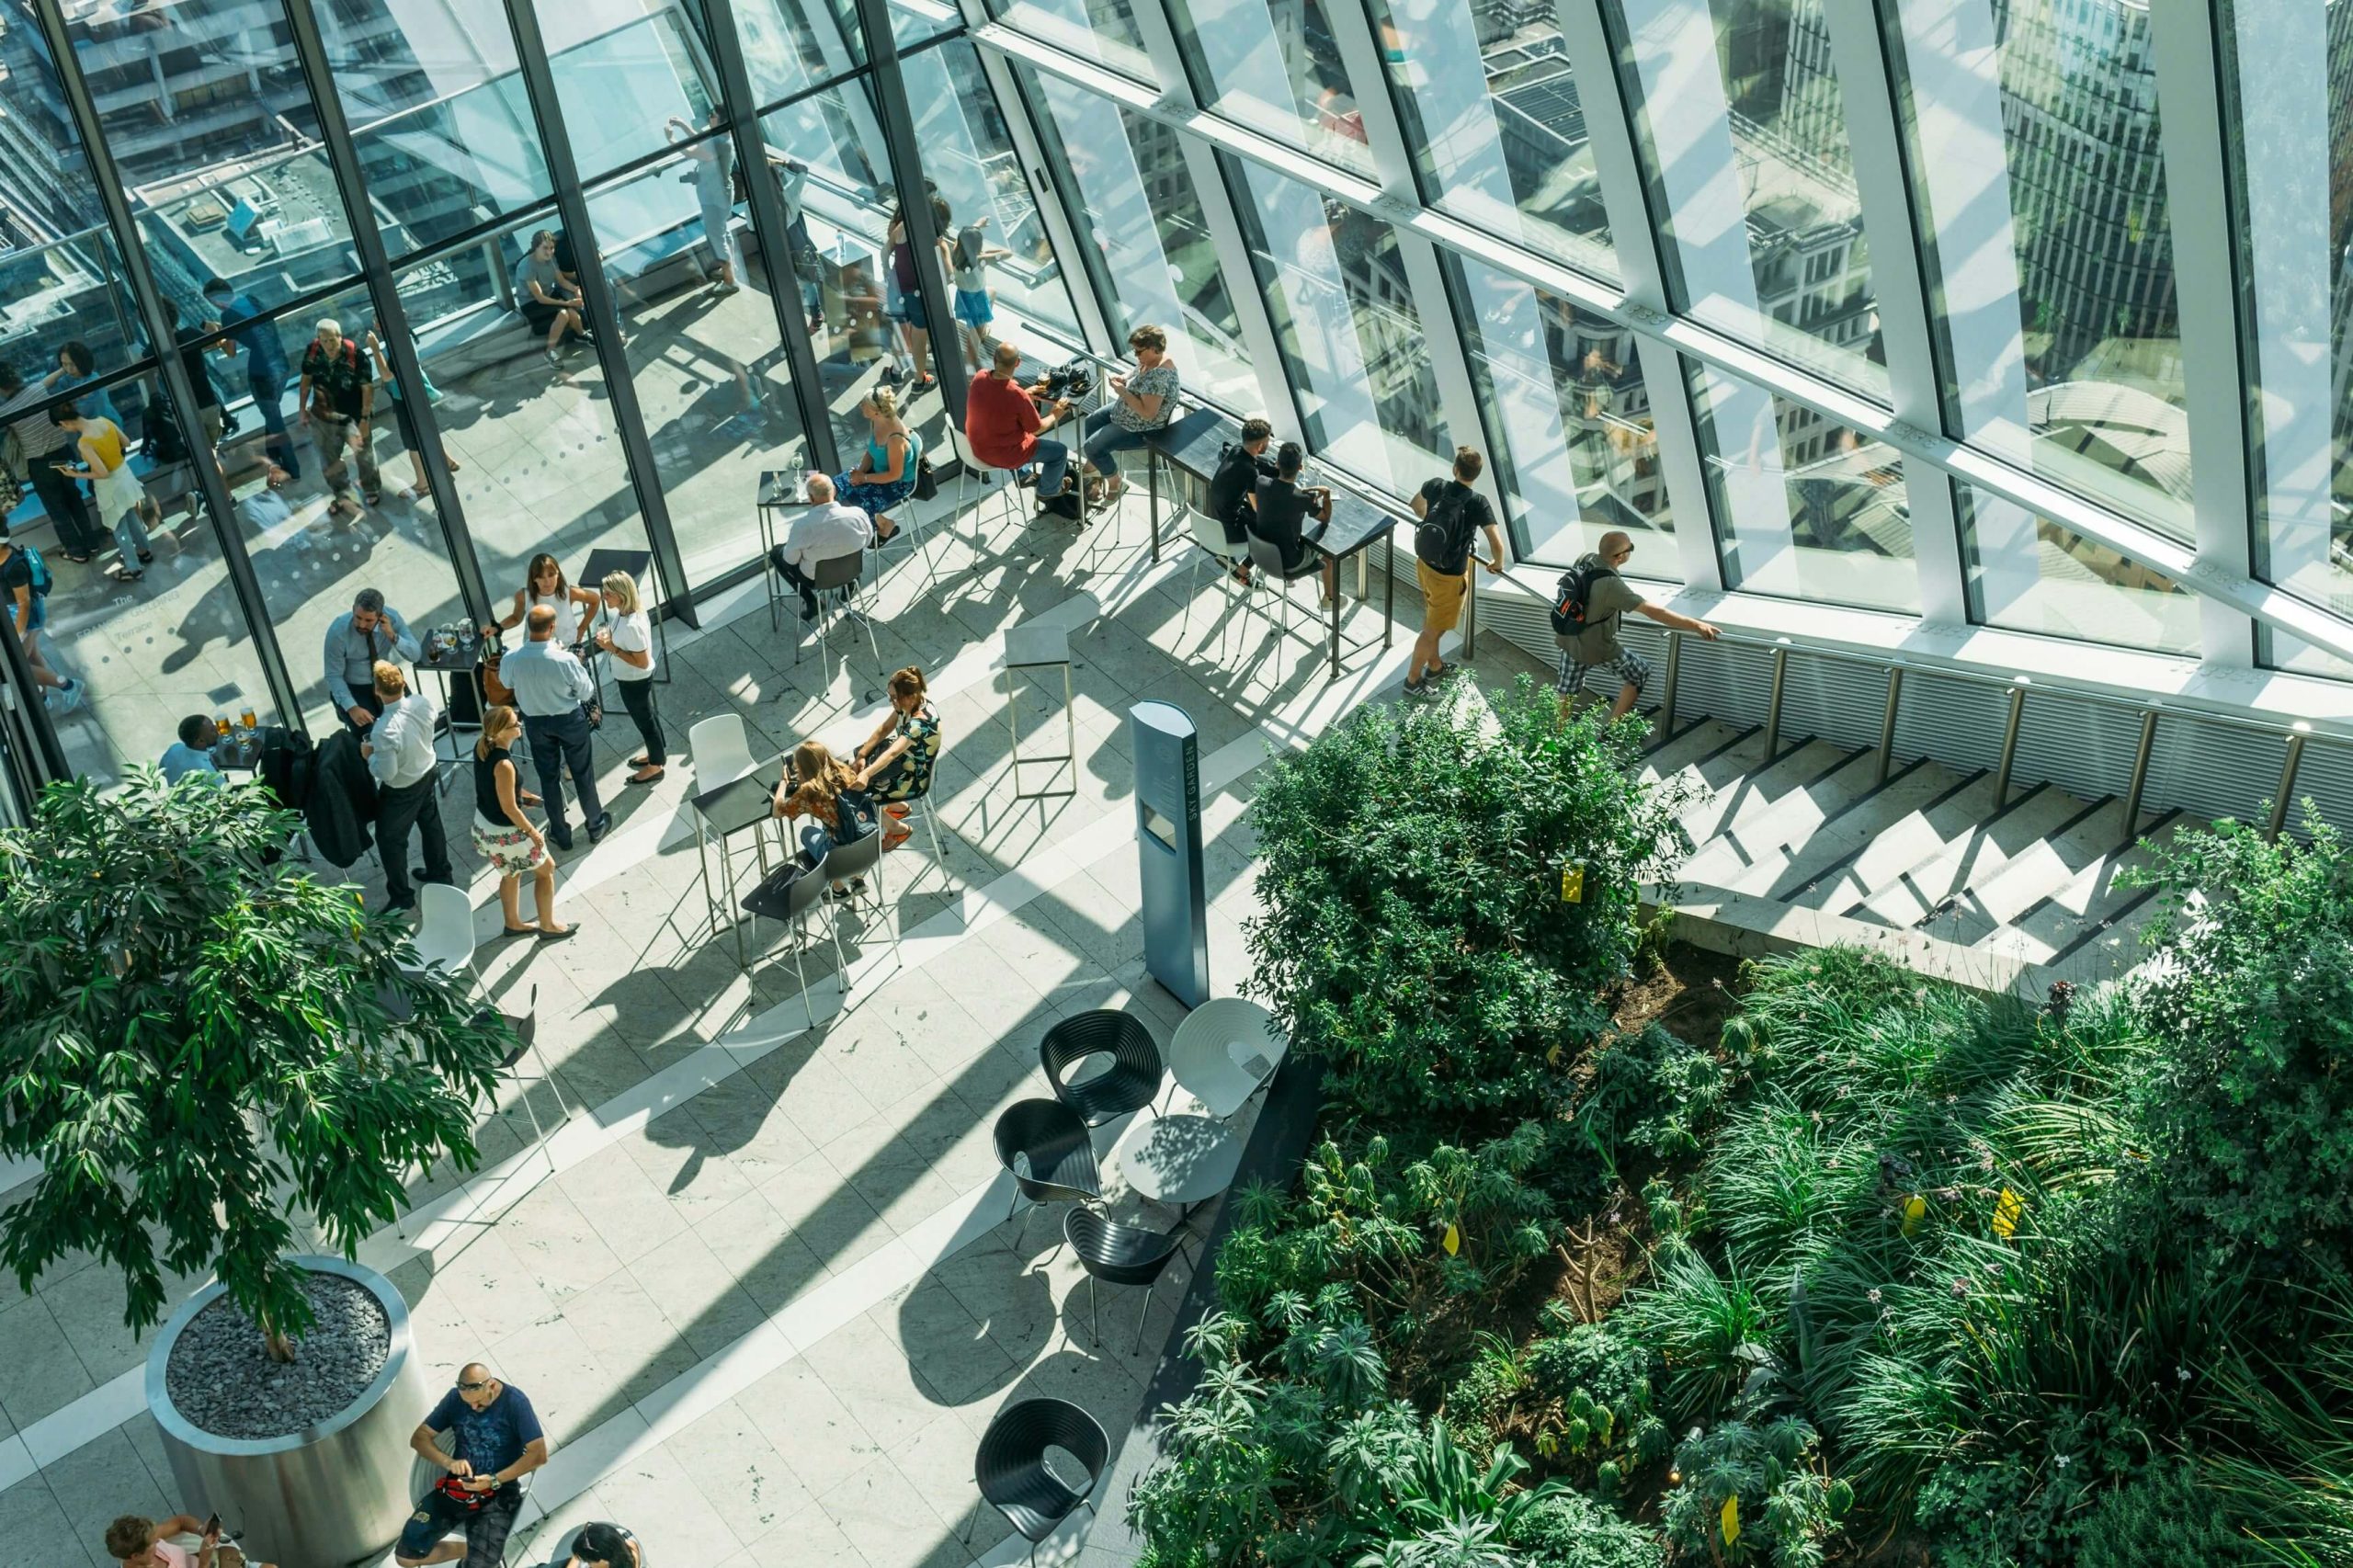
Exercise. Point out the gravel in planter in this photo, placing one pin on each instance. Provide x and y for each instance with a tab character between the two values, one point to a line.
220	1378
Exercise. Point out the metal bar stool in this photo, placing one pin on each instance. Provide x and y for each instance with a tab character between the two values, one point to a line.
1035	647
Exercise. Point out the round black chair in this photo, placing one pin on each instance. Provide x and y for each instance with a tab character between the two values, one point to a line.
1118	1255
1011	1465
1130	1083
1045	1145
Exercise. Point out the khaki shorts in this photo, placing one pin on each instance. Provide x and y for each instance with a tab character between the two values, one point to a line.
1441	595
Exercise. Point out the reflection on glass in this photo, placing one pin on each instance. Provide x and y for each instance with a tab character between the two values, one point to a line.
2287	79
1498	132
1132	190
918	21
203	108
2029	574
437	113
790	46
1739	125
1805	509
1101	30
1275	66
622	79
312	555
1565	395
65	312
141	654
539	466
2040	185
708	365
1352	344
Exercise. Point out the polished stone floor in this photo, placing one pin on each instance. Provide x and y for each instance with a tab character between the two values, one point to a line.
760	1279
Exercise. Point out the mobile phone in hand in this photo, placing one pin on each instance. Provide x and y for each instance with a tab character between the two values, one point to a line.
211	1525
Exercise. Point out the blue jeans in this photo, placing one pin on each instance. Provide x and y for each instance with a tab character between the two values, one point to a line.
269	399
556	744
1110	440
1052	459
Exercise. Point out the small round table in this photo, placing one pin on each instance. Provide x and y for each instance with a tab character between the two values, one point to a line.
1224	1051
1182	1160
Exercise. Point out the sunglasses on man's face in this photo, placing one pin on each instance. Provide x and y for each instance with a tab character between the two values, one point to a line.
474	1388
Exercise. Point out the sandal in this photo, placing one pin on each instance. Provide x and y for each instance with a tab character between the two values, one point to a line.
506	931
373	497
526	797
896	837
146	556
648	776
77	560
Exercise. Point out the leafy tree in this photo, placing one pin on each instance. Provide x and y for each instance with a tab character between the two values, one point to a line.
197	1042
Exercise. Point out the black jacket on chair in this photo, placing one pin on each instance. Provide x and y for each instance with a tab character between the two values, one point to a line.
342	800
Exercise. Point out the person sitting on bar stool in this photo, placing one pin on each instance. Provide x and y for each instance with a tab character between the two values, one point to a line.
825	790
895	764
1005	428
1279	506
829	529
604	1546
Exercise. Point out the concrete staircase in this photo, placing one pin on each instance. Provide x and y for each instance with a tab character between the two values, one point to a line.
1810	846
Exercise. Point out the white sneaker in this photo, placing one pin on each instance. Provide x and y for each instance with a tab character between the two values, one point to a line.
67	698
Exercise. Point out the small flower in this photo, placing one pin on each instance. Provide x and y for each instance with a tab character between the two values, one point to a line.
1874	1295
1953	1100
1948	1194
1994	1272
1613	1216
1985	1162
2063	1460
1960	1290
1816	1116
2181	1374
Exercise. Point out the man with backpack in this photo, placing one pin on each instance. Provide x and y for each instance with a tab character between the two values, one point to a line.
24	583
1586	607
337	397
1451	514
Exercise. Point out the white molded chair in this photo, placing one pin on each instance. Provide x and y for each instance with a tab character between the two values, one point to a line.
720	750
1210	545
444	927
1224	1051
973	474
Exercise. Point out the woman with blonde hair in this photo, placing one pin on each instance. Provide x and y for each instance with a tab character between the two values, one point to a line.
886	474
825	790
896	763
631	642
503	836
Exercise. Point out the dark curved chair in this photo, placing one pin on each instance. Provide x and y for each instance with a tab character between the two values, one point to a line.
1130	1083
1011	1465
1045	1146
1118	1255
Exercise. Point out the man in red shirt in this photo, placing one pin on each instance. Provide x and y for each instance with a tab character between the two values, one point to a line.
1003	425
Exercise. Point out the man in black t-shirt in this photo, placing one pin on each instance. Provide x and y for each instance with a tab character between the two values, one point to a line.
1239	470
1443	566
1280	508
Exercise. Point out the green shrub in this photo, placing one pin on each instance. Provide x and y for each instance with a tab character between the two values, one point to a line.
2248	1111
1712	1329
1787	1507
2018	1513
1651	1091
1414	931
1580	1397
1566	1530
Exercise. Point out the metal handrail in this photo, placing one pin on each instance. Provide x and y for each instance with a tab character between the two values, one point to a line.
2295	734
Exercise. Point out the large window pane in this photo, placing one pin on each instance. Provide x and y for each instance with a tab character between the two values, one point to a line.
1565	400
438	114
540	468
204	110
2029	574
1153	259
2289	82
628	83
1352	344
1499	132
1739	125
1805	509
708	367
2039	181
1275	66
790	46
1100	31
143	654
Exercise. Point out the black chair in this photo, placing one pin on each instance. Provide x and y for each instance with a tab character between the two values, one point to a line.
1130	1083
1010	1467
1118	1255
1044	1144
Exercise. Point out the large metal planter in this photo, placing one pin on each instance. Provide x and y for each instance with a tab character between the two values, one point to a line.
331	1495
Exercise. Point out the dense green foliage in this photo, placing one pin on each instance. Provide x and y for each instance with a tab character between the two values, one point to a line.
196	1044
1996	1282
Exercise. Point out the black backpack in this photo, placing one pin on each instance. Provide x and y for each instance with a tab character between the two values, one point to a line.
1572	600
1443	536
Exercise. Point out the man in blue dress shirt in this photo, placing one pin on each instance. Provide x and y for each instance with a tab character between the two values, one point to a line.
373	630
192	752
553	692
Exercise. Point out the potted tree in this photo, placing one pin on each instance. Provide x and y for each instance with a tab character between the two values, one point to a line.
209	1052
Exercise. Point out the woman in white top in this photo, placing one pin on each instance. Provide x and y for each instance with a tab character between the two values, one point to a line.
631	642
544	584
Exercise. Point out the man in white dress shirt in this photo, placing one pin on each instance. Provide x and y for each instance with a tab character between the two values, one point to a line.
399	753
827	530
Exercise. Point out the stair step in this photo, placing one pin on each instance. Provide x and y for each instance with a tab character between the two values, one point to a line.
2091	902
1739	786
1913	839
1796	819
1688	746
2034	874
1918	894
1850	834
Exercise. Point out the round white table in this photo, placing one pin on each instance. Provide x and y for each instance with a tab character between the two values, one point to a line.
1181	1161
1224	1051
